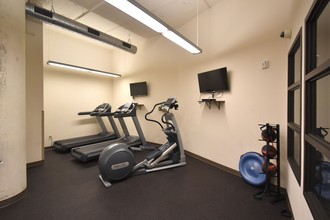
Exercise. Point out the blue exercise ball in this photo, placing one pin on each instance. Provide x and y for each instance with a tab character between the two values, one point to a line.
250	168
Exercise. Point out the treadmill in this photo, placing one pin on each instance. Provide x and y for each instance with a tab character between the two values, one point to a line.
99	112
93	151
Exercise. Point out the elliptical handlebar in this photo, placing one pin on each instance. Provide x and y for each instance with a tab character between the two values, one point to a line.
152	110
170	103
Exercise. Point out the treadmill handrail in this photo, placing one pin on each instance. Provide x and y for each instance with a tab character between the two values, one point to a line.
84	113
105	107
107	114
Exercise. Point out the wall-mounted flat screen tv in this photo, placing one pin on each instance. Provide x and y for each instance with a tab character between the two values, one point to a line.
138	89
213	81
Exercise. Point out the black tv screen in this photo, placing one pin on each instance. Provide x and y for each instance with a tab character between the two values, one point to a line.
138	89
213	81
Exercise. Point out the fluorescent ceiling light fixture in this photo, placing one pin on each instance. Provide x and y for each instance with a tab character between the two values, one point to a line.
138	12
83	69
179	40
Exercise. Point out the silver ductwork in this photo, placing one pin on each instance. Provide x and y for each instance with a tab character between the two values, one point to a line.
59	20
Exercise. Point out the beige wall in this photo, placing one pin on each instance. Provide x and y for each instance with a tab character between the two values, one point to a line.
220	135
68	92
34	90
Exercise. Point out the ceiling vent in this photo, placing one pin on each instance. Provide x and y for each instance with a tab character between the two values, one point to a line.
59	20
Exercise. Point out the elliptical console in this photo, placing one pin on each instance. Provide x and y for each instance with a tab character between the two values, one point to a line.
117	162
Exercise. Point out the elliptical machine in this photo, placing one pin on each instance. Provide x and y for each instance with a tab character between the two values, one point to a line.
116	161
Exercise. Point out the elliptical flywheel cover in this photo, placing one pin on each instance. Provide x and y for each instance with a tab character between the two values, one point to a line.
116	162
250	168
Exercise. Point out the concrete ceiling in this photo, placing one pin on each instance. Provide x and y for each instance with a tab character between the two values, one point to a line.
102	16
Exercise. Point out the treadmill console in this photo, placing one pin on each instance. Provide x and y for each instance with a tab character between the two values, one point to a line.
101	109
125	109
169	104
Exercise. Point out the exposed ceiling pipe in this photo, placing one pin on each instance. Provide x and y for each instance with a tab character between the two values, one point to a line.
59	20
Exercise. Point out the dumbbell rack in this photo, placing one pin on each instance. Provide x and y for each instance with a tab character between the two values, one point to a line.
269	129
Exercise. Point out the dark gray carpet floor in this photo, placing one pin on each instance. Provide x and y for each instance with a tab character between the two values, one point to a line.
65	189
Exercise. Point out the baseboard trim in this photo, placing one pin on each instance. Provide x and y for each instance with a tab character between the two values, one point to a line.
236	173
214	164
12	200
35	164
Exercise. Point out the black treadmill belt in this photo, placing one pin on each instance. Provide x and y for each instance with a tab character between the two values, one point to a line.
85	140
90	152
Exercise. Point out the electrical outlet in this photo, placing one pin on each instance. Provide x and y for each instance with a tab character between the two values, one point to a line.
265	64
50	138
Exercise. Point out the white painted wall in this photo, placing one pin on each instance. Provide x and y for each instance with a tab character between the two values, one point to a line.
34	90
